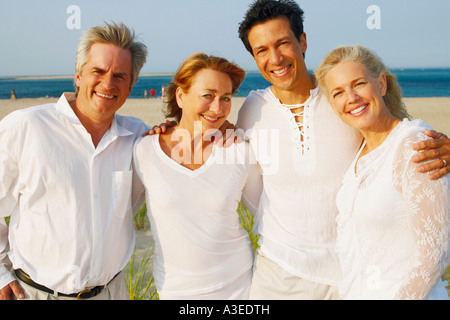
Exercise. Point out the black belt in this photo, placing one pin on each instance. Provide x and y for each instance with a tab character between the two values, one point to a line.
85	294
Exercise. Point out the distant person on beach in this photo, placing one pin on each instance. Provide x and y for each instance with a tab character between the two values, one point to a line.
393	223
66	180
297	227
13	95
193	188
152	93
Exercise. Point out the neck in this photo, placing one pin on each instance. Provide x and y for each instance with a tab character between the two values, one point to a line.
95	127
376	136
191	142
297	95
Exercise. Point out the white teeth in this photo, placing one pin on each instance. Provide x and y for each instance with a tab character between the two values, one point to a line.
358	110
281	71
104	95
210	118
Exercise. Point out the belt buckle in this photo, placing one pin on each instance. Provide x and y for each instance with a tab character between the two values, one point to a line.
79	295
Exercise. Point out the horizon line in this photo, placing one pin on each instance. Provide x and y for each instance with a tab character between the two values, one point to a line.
160	74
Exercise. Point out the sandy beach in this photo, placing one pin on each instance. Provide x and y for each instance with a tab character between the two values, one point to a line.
434	111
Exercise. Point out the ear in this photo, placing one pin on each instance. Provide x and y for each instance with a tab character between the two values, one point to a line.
78	80
179	95
382	80
303	42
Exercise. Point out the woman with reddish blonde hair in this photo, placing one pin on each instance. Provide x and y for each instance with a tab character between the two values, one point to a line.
193	188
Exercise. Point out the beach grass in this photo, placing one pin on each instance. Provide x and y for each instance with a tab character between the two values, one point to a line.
139	282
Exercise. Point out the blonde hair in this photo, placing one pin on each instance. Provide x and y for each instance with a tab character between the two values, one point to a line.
117	34
373	64
185	77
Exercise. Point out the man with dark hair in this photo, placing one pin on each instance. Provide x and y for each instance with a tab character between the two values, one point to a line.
296	222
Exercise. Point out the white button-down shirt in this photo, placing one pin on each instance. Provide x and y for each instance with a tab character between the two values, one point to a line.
71	204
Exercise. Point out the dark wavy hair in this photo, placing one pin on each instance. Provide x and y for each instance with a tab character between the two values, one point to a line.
262	11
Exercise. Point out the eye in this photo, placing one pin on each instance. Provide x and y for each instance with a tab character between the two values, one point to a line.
226	99
336	94
260	51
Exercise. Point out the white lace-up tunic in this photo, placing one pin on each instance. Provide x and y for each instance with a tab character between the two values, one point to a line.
393	223
302	173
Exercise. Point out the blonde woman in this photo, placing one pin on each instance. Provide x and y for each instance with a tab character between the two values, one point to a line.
193	188
393	223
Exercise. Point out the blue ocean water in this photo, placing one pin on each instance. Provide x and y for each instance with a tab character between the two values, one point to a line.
414	83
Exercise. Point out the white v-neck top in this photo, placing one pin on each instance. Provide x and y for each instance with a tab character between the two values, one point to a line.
199	244
302	172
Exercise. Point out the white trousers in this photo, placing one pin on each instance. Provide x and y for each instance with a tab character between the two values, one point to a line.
272	282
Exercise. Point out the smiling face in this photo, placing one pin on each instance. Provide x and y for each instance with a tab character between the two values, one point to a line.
279	54
104	82
208	100
357	97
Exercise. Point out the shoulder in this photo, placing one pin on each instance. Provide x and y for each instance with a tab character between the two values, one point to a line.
131	123
252	108
22	116
410	132
407	133
143	143
256	99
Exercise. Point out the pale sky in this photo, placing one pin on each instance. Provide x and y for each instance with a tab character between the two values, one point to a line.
36	39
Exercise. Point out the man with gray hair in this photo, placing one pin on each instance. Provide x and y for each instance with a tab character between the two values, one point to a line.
66	180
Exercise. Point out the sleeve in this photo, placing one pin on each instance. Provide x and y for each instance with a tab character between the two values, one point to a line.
9	173
253	186
428	214
249	114
138	190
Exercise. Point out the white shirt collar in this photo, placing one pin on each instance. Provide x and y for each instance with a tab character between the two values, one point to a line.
64	108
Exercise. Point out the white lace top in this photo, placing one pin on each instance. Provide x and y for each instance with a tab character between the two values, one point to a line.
393	223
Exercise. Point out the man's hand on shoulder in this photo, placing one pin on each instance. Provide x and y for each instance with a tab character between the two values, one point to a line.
437	151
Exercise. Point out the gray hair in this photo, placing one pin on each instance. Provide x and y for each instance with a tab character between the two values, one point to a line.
116	34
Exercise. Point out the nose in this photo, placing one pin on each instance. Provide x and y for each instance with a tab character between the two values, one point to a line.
275	57
108	81
215	105
352	96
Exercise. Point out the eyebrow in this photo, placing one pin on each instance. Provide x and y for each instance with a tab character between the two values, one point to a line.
215	91
276	42
115	73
